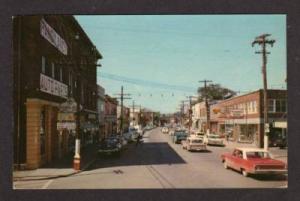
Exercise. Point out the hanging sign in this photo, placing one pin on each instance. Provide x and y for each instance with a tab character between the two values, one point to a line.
66	125
50	34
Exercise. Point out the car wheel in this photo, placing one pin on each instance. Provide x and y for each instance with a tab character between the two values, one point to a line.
245	173
225	165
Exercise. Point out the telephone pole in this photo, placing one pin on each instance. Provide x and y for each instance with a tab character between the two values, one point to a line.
122	96
206	105
190	112
263	41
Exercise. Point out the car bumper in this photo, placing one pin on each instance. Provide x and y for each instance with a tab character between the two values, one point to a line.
269	171
198	148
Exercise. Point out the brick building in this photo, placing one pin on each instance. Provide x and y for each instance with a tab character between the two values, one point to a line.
101	111
110	116
243	115
53	59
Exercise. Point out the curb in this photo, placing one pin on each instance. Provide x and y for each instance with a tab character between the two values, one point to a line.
31	178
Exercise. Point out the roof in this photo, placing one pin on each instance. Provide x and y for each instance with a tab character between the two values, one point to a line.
250	149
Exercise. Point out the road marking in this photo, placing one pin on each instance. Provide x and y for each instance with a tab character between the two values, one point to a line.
46	185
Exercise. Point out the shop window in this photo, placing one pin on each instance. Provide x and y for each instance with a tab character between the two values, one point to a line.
42	132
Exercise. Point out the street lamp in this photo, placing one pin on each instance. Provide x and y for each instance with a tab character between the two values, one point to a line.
76	161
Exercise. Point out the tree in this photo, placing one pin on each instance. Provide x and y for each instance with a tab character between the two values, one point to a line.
215	92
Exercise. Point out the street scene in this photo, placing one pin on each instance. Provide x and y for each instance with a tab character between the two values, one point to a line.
150	102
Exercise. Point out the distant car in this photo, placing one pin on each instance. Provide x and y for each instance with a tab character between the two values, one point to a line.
213	139
253	161
179	135
194	143
165	130
109	146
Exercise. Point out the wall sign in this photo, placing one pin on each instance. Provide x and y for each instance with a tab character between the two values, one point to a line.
54	87
49	34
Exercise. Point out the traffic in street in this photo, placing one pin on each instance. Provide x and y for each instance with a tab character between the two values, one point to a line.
157	162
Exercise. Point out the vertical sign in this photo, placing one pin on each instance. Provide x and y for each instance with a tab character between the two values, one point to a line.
49	33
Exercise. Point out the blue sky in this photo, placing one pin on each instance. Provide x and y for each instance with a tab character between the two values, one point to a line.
159	59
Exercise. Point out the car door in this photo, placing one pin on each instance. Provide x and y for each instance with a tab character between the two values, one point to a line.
238	160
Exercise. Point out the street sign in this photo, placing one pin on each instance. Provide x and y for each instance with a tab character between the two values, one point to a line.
66	125
237	113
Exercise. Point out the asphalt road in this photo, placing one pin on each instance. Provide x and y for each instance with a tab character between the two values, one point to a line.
158	163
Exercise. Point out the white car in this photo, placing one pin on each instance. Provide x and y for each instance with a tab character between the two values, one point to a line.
213	139
194	143
165	130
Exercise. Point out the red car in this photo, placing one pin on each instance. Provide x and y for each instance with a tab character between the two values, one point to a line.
253	161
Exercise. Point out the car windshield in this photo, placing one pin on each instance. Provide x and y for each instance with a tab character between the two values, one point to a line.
257	154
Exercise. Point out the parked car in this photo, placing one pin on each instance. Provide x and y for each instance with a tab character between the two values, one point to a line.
253	161
213	139
110	146
179	135
165	130
278	142
194	143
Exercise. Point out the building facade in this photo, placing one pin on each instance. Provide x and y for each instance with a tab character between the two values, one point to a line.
242	116
110	116
53	60
101	112
126	119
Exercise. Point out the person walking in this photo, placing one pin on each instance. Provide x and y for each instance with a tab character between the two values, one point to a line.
138	139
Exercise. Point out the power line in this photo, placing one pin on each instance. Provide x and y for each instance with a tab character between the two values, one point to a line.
146	83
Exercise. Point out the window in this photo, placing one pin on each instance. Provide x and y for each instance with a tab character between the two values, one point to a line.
43	65
52	70
60	74
254	106
281	105
271	105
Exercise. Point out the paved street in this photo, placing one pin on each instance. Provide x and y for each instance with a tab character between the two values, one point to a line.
158	163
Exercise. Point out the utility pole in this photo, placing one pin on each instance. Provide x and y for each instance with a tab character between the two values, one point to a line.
133	119
263	41
190	112
206	105
122	96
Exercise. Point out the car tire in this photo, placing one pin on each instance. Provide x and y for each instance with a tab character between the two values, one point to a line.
245	173
225	164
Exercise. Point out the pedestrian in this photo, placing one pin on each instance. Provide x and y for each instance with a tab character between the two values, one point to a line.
138	139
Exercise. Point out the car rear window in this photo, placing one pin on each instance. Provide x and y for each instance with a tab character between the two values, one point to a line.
197	141
257	154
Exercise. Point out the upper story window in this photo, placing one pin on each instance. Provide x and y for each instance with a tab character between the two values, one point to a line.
277	105
60	74
52	70
43	65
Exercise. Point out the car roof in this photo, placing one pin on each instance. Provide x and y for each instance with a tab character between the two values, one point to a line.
250	149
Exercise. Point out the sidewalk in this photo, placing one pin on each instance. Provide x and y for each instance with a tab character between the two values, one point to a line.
277	153
59	168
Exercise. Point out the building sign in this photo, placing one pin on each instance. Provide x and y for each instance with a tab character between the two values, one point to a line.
49	34
66	125
91	116
70	106
54	87
66	116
